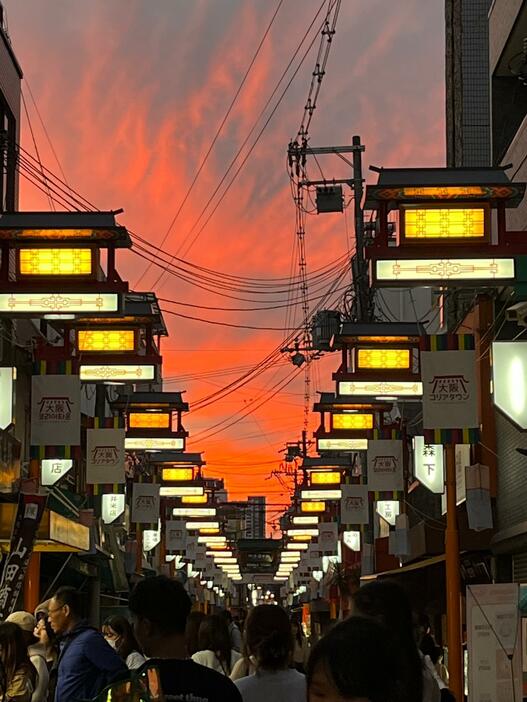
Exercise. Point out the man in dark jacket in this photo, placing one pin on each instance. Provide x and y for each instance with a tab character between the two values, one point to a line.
86	662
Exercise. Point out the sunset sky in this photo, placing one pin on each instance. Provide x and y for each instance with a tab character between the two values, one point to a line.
131	93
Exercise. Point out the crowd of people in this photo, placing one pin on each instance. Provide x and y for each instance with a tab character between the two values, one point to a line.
374	655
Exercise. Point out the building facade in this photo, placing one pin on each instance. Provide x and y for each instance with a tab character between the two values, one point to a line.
255	517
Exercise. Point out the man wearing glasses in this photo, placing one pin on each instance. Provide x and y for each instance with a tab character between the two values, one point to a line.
86	663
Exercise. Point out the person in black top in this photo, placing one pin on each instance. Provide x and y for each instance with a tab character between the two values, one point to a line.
160	607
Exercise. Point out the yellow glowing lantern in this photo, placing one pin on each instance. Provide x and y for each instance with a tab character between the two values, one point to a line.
383	358
313	507
106	340
444	192
353	421
332	477
67	262
443	223
302	537
149	420
194	499
386	339
217	546
209	530
178	475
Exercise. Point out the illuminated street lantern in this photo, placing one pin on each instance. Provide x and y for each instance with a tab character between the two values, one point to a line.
317	506
60	263
509	380
325	477
446	232
153	423
346	426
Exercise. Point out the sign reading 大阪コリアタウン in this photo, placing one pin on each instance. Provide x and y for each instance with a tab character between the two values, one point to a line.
55	410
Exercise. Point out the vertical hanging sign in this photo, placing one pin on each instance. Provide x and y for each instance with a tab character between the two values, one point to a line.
105	456
145	503
450	393
55	410
354	506
27	520
385	465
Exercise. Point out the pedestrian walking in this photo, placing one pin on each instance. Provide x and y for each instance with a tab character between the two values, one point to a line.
300	646
36	652
160	607
354	661
192	631
46	635
387	602
86	663
234	631
215	645
17	674
269	640
119	634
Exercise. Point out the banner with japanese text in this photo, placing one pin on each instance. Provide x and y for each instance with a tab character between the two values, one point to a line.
327	538
25	526
105	456
450	392
385	465
175	535
55	410
354	506
145	503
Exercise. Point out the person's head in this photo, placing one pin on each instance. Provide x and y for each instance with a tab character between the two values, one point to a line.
353	663
214	636
13	649
226	614
429	648
65	609
387	602
160	607
192	631
118	632
27	623
268	637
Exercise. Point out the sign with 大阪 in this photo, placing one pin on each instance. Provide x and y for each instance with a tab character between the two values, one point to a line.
450	393
175	535
105	456
385	465
55	410
354	506
145	503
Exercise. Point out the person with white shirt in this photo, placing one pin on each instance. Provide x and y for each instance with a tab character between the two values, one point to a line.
269	641
215	646
118	632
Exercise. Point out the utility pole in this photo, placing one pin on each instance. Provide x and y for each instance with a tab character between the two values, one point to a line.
363	308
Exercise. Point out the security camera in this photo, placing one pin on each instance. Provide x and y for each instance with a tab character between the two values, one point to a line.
298	359
517	313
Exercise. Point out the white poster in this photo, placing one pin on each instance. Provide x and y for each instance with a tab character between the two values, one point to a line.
113	506
450	393
175	535
145	503
55	410
105	456
151	538
479	507
429	465
494	643
354	504
327	537
385	465
53	469
351	539
389	510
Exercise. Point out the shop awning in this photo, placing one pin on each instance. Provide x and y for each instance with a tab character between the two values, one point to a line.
418	565
55	534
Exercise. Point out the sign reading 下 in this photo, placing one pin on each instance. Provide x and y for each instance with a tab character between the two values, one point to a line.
450	398
28	515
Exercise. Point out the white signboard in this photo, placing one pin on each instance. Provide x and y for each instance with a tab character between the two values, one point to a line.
145	503
53	469
6	393
328	538
509	379
450	393
494	643
428	464
385	465
113	505
105	456
389	510
354	504
55	410
351	539
175	535
462	461
151	538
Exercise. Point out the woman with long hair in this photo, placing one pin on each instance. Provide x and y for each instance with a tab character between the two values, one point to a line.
300	646
387	602
18	676
118	632
192	631
215	645
269	642
45	634
354	660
